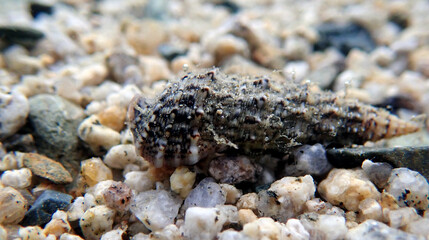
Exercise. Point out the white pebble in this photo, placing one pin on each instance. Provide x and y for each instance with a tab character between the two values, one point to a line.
115	234
68	236
96	221
202	223
324	226
120	155
347	188
419	227
296	71
11	161
374	230
32	232
100	138
409	187
401	217
139	181
14	109
290	195
3	233
92	75
58	224
123	97
156	208
76	209
20	178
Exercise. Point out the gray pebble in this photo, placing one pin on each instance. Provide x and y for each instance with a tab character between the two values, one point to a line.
206	194
378	172
309	160
55	121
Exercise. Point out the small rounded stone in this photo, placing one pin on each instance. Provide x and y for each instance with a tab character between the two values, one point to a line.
58	225
14	109
35	233
96	221
100	138
94	171
347	188
13	206
121	155
45	167
113	117
409	188
20	178
181	181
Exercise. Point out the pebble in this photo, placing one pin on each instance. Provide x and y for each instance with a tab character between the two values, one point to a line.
76	209
91	75
419	227
323	226
267	228
154	69
206	194
419	61
40	8
113	117
139	181
115	234
145	36
117	64
117	196
155	216
409	187
286	197
400	217
46	168
182	180
202	223
344	37
374	230
246	216
34	232
296	48
296	70
248	201
24	36
12	206
99	138
309	159
45	206
120	156
378	173
55	121
170	51
11	161
232	194
14	109
347	188
233	170
94	171
96	221
68	236
58	225
20	178
370	209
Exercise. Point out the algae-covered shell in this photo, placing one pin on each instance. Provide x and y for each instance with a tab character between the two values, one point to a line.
205	113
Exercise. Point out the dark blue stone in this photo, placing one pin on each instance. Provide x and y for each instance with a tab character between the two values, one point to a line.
37	8
47	204
344	37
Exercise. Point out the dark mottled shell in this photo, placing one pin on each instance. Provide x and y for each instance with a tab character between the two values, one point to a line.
202	114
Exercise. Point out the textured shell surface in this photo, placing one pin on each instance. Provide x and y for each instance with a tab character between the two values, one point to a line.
202	114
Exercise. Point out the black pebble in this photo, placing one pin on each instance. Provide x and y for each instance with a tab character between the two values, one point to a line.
47	204
24	36
344	37
38	8
230	6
